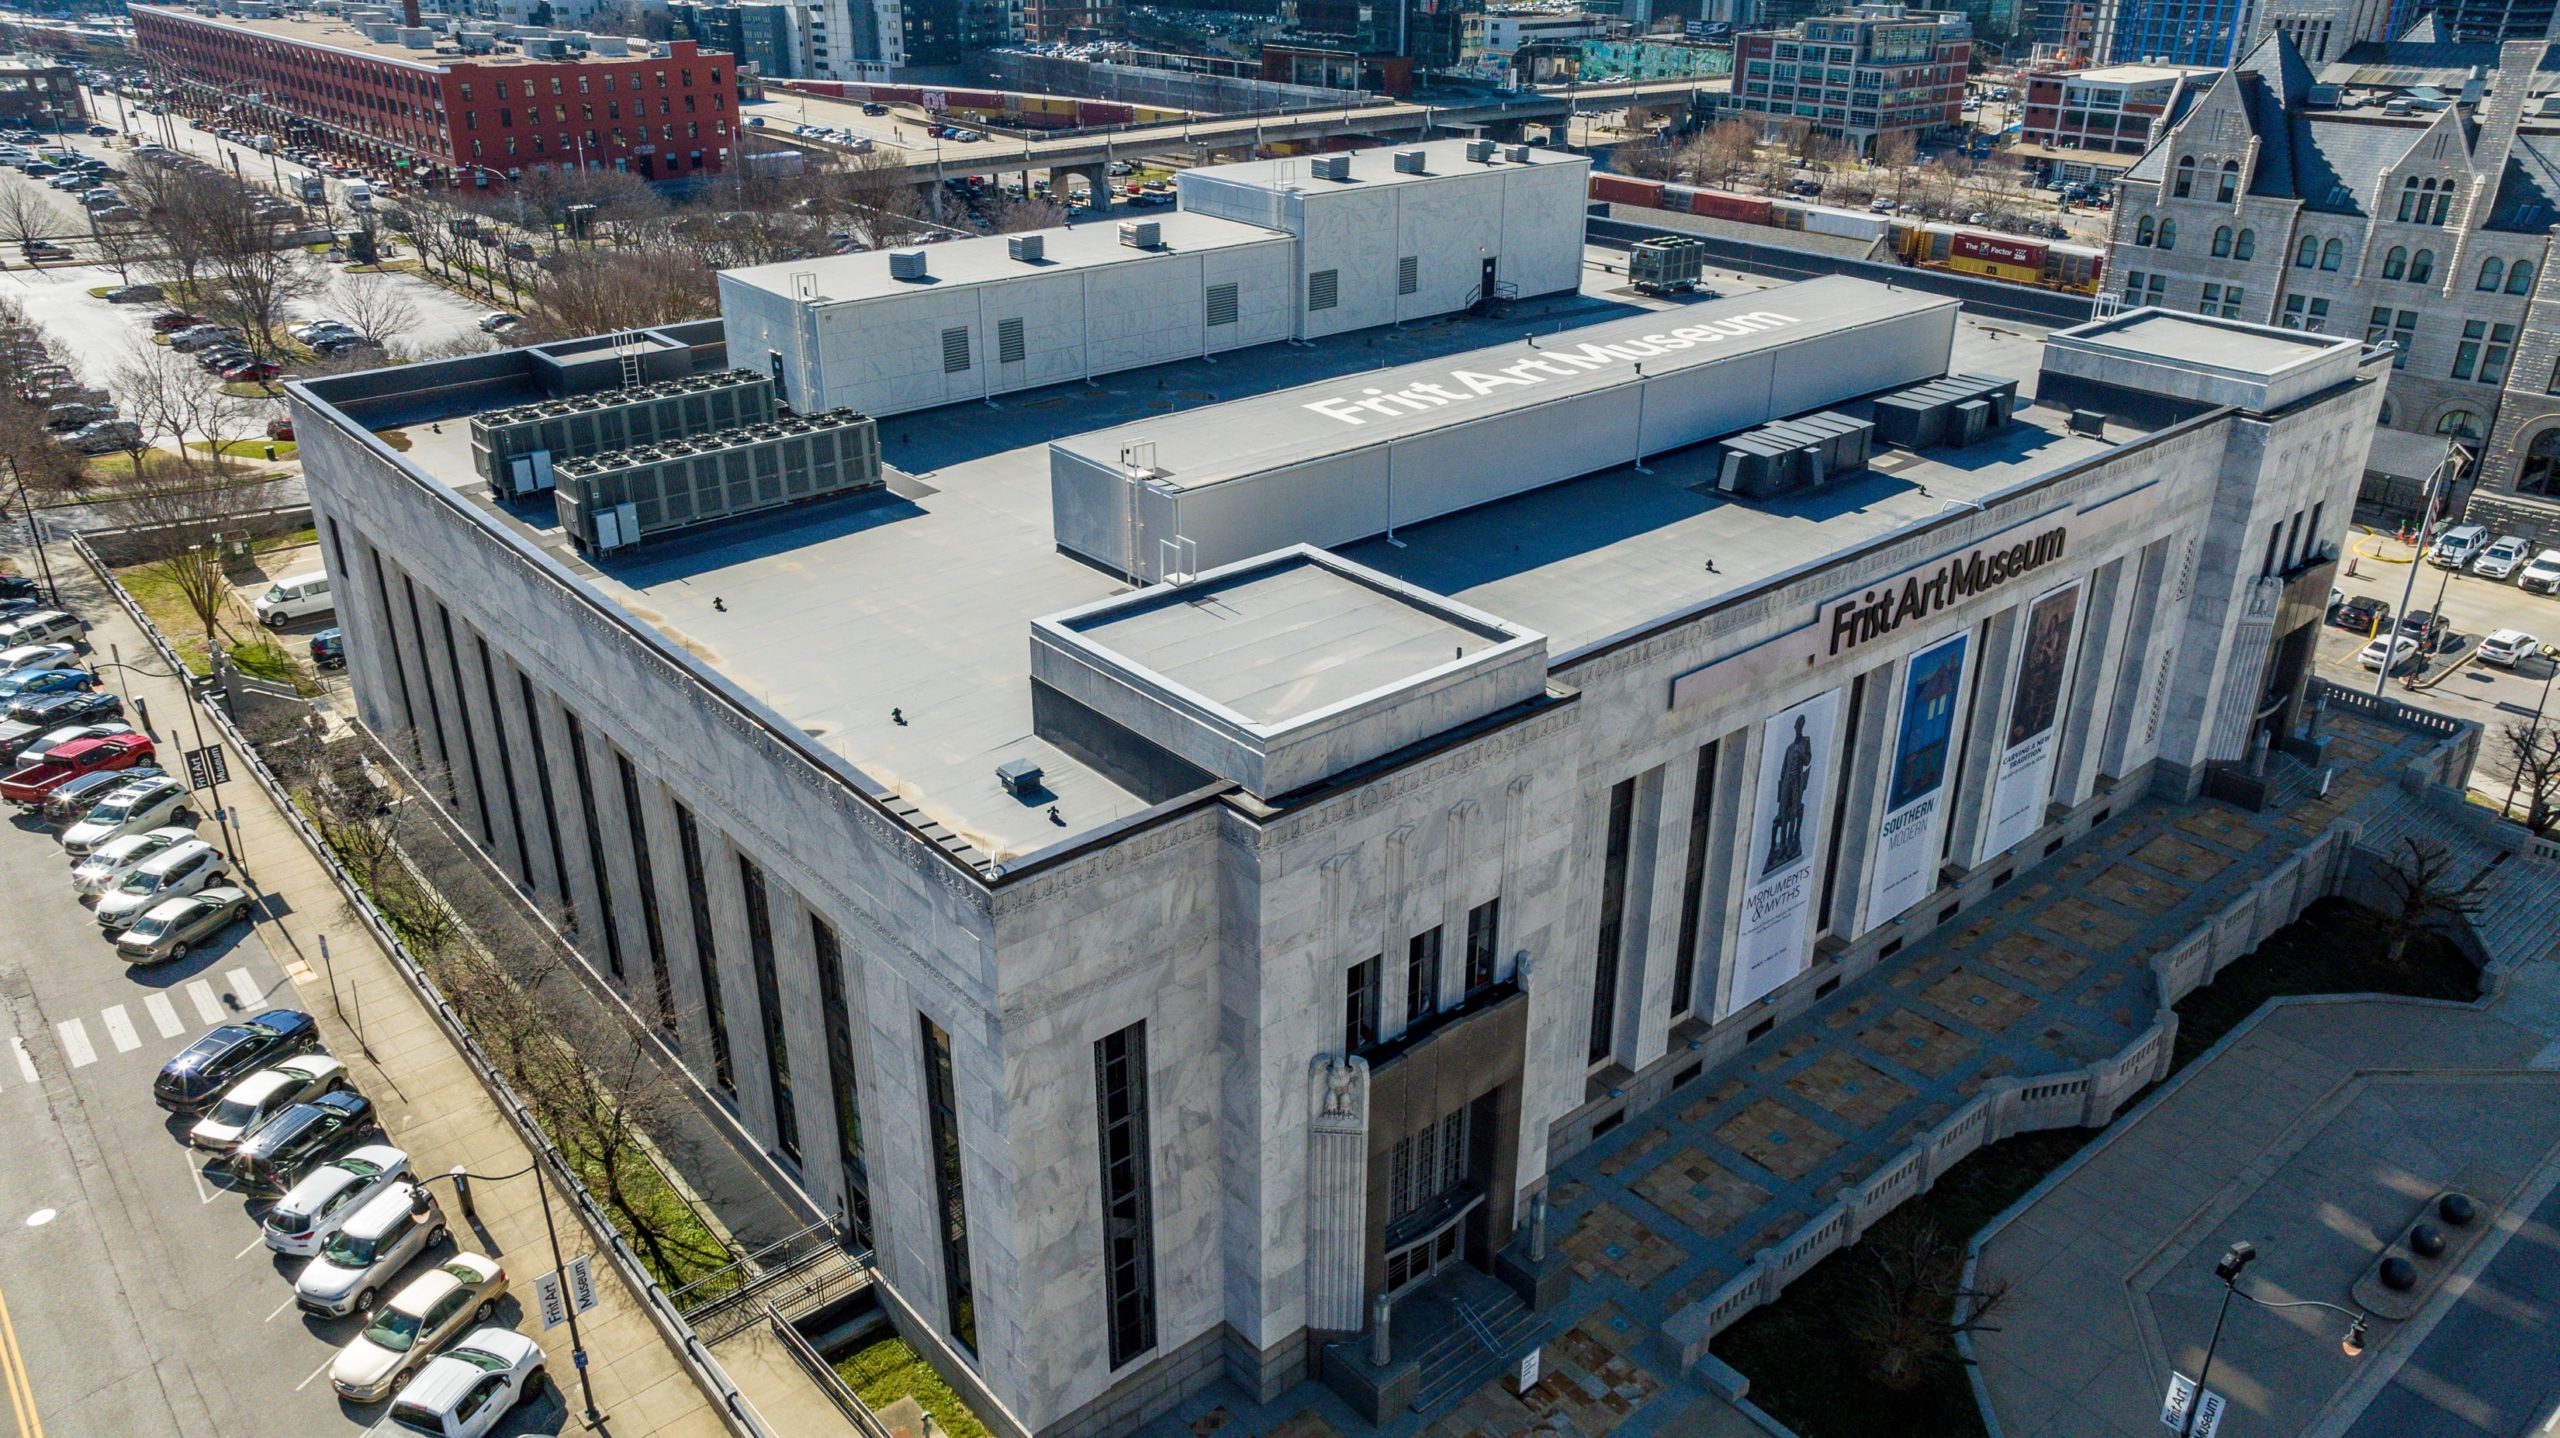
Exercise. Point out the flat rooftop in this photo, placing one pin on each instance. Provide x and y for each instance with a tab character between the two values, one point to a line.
1277	642
2166	334
1252	436
1441	160
844	279
2137	74
333	33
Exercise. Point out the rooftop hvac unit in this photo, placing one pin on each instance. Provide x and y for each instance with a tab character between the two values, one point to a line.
590	424
1517	154
1480	152
711	477
1409	162
1924	416
1141	234
1667	264
2089	421
1020	777
1330	167
1807	452
1025	248
906	264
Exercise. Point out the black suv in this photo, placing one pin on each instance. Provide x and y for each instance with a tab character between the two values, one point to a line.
277	1153
191	1082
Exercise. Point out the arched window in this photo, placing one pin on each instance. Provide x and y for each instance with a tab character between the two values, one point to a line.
2185	183
2222	242
2540	473
2409	200
2462	425
2520	278
2307	254
2332	255
2384	419
2247	246
2422	266
2228	188
2168	234
2143	233
2395	264
2493	272
2443	204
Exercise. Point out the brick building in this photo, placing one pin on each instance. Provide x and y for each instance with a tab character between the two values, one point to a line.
405	98
38	93
1874	70
2116	110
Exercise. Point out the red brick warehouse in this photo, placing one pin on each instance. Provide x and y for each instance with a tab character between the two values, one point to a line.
411	100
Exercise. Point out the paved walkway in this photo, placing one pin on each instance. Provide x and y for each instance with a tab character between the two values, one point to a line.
430	1101
1661	1213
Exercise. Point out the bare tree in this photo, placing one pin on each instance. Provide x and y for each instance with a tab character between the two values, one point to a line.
1916	1303
26	215
1016	216
254	274
122	244
600	291
180	522
376	307
2528	757
2421	895
871	197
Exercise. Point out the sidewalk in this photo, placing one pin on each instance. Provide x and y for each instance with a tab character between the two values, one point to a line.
431	1103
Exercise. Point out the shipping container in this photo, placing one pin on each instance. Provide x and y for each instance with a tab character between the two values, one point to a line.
1726	205
1626	190
1826	220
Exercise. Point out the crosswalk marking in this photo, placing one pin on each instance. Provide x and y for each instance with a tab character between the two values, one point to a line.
124	1029
207	1006
75	1043
26	1064
245	989
164	1014
120	1029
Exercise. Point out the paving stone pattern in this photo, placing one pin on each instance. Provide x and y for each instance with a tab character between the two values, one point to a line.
1661	1213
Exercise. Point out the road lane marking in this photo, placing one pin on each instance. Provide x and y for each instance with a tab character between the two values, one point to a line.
75	1043
280	1308
325	1365
164	1014
207	1006
21	1385
120	1029
26	1065
204	1194
245	989
254	1245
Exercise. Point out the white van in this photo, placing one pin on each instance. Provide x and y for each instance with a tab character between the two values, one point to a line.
2456	546
296	596
359	195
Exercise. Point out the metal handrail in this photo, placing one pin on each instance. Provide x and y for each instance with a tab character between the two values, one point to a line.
822	1373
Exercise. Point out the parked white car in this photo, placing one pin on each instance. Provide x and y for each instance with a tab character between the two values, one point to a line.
2504	647
296	596
260	1096
2543	575
45	626
116	858
173	873
134	808
2502	557
329	1195
2371	655
474	1384
431	1309
352	1268
39	656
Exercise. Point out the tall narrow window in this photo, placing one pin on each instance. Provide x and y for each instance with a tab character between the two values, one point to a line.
1360	1005
542	779
595	843
777	1044
427	681
1128	1222
506	755
942	1120
399	664
1422	977
706	954
841	1084
636	819
1693	882
1484	942
1613	899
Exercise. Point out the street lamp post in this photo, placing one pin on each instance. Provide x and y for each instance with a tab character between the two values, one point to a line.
2437	483
462	1182
2235	1260
2550	669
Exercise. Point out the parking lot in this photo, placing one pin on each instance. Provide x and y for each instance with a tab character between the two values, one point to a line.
2452	680
133	1283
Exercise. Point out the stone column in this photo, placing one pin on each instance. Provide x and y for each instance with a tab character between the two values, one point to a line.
1337	1191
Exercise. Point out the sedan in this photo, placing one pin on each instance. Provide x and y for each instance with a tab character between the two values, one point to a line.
53	739
428	1311
129	809
329	1195
464	1393
256	371
172	321
40	656
263	1095
2361	612
280	429
190	1082
171	928
299	1140
497	320
2504	647
32	683
50	711
110	862
2402	651
133	294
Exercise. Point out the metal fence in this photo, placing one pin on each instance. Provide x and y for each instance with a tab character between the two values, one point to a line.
739	1414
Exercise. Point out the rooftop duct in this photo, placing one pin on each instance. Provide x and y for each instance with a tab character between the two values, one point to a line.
1141	234
1024	248
1409	162
906	265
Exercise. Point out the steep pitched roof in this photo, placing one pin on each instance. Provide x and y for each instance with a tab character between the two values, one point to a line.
2341	159
2528	200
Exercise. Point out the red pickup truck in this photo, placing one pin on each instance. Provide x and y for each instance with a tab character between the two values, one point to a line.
29	786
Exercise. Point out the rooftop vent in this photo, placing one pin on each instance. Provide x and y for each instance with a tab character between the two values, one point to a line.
1020	777
1409	162
1141	234
1025	248
1479	152
906	264
1330	167
1517	154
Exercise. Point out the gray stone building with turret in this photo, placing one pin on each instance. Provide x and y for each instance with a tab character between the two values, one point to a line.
2431	232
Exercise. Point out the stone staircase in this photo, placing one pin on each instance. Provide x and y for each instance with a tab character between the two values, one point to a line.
2518	919
1471	1332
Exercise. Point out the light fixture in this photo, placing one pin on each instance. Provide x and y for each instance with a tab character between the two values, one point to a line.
2353	1343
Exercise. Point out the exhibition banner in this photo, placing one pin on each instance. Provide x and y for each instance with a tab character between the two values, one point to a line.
1777	897
2027	750
1905	863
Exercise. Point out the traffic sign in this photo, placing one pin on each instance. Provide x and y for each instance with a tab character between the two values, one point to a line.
550	1300
582	1284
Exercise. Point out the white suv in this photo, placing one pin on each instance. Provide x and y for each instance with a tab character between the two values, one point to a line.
2502	556
171	874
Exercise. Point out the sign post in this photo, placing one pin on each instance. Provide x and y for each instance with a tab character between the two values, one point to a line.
1525	1377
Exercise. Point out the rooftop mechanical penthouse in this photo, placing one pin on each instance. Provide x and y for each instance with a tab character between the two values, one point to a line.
1179	884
